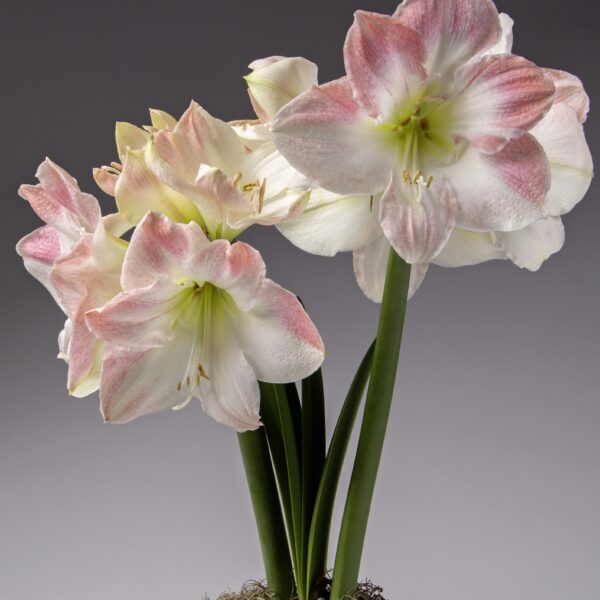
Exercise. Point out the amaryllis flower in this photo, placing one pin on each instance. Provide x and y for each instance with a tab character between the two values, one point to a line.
198	318
77	256
561	135
432	119
199	170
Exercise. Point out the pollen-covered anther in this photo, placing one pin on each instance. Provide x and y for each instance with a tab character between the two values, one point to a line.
116	166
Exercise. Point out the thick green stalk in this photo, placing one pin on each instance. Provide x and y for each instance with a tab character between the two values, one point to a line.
267	512
374	424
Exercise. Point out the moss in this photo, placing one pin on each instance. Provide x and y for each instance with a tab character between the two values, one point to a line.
258	590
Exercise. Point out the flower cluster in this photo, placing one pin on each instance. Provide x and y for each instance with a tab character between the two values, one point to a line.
438	142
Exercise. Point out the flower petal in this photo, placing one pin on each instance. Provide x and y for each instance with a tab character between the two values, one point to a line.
129	137
384	62
138	191
465	248
333	223
84	357
139	319
278	338
39	250
499	98
59	202
418	219
198	138
453	31
370	268
326	136
230	395
137	383
571	165
106	178
504	191
162	120
505	43
160	248
276	81
528	248
569	90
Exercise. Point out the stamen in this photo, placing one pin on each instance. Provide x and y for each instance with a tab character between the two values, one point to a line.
429	181
117	166
179	386
261	195
236	178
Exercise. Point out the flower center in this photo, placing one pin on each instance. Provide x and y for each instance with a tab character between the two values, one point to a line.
420	136
200	314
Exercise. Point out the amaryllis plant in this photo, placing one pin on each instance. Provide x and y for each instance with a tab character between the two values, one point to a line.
438	146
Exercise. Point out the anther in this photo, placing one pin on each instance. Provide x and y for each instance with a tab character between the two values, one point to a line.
429	181
236	178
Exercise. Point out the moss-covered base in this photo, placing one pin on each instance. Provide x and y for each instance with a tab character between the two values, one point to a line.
257	590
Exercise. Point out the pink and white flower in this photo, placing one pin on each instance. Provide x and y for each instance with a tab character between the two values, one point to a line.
198	169
426	120
453	132
198	318
77	256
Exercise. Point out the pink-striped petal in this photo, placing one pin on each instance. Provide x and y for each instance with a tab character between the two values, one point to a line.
453	31
160	248
198	138
384	63
139	319
39	250
370	267
561	135
499	98
59	202
135	383
418	219
504	191
278	338
84	357
326	136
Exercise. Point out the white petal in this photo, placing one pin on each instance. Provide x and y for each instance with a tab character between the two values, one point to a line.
332	223
465	248
274	83
531	246
561	135
505	43
370	267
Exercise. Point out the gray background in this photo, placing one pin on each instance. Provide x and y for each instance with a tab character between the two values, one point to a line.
490	483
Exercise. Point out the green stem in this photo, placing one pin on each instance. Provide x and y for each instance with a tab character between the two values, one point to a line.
267	512
374	424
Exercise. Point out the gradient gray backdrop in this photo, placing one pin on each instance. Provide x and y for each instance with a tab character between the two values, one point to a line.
490	482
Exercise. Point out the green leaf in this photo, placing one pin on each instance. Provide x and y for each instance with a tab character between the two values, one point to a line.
269	410
292	459
313	450
323	511
267	512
